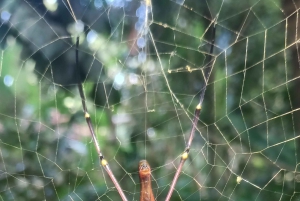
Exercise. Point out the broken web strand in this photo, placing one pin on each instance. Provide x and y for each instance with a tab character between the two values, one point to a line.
142	27
103	162
185	154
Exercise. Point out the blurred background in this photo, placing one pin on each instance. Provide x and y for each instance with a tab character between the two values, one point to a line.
142	67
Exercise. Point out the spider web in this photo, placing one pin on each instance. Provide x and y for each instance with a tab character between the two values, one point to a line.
143	66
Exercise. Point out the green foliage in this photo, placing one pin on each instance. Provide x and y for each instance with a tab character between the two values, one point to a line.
248	126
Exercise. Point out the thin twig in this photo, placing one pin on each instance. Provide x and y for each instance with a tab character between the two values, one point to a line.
103	162
185	154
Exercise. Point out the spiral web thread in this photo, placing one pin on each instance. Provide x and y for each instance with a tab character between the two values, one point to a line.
143	65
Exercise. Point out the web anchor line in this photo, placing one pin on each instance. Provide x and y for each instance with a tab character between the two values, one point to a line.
103	162
185	154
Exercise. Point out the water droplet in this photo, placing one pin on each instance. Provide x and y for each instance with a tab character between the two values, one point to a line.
91	36
142	57
8	80
141	42
79	26
5	16
141	11
20	167
119	81
98	3
151	132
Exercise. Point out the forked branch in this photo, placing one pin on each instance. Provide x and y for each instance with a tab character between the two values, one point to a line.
103	162
185	154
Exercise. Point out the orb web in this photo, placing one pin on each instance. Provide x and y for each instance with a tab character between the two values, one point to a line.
143	65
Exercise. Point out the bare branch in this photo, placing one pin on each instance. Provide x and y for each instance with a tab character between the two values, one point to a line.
103	162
